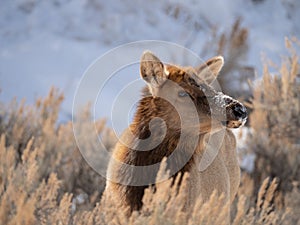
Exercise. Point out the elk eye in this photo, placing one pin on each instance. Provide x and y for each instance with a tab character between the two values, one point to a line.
183	94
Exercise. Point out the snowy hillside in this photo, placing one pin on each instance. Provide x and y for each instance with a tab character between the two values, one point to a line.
45	43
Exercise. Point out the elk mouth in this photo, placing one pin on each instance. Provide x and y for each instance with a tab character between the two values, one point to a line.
236	117
234	123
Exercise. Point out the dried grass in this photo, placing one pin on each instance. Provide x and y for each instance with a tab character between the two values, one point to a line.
233	45
276	125
42	173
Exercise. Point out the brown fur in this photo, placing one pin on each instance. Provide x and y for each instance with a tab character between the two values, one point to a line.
223	172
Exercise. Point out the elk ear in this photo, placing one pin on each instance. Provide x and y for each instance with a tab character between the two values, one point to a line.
210	69
152	71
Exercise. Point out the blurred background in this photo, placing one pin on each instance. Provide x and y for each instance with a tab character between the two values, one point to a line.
51	43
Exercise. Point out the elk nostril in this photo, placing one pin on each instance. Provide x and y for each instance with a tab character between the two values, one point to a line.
228	101
240	111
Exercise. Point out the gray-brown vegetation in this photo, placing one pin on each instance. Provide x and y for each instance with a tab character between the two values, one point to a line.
45	180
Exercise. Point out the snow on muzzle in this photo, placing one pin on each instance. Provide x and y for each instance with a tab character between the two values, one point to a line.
229	111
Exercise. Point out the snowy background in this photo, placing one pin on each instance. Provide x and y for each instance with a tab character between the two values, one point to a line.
51	43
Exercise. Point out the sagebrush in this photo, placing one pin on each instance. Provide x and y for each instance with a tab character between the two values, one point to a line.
45	180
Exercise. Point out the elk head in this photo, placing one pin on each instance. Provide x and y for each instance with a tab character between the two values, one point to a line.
176	89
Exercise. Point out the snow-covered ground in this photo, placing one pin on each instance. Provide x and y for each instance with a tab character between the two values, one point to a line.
45	43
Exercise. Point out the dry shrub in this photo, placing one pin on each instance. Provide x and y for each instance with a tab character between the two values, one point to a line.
45	180
165	205
235	75
42	179
275	121
276	128
42	173
233	45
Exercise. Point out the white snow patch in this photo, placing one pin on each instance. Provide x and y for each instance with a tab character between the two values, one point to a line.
78	200
247	160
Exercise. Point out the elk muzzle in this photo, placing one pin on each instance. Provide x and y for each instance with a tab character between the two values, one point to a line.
236	114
